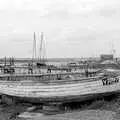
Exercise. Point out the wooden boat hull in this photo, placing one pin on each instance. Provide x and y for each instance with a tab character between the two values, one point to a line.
67	99
75	90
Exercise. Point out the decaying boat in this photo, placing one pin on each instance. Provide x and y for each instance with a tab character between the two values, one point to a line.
36	90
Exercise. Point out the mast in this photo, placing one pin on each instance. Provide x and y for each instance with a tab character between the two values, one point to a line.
34	46
41	57
112	49
41	46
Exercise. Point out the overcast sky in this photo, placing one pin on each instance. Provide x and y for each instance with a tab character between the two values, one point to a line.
72	28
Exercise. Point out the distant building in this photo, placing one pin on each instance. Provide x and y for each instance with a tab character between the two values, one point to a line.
105	57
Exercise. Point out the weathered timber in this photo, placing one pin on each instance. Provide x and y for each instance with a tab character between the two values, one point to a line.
58	92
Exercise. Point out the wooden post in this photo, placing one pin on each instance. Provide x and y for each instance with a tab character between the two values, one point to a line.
52	108
7	100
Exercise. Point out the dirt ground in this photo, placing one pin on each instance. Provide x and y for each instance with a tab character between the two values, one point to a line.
74	115
95	110
81	115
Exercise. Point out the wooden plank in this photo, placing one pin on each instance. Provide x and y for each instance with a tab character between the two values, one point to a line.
78	91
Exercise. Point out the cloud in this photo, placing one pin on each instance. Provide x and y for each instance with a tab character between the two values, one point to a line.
63	9
66	24
108	11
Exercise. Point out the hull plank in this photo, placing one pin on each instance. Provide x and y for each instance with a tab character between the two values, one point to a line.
69	91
